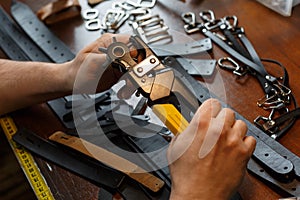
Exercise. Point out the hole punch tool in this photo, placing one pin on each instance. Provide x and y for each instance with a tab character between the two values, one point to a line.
158	81
153	79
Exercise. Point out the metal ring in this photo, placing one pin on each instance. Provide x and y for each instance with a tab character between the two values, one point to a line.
93	24
90	14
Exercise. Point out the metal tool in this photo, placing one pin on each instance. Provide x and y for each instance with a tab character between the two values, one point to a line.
151	77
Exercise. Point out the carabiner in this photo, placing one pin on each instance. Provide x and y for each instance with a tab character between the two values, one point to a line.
229	64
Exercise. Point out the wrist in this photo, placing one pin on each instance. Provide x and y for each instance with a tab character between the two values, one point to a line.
183	193
64	78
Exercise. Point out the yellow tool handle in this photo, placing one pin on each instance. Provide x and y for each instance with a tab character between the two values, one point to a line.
27	162
171	117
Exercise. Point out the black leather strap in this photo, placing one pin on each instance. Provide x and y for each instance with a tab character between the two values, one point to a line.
10	48
16	44
40	34
80	165
291	188
262	74
253	54
234	43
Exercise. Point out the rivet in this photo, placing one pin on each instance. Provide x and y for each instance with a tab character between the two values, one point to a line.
152	60
140	69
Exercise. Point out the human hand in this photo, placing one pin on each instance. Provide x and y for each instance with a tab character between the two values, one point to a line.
86	72
208	160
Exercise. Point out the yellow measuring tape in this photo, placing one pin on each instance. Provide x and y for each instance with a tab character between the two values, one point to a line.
27	162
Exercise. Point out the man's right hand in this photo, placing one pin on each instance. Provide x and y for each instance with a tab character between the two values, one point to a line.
208	160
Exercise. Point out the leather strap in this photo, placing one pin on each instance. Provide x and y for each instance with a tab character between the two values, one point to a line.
234	43
110	159
10	47
262	73
40	34
59	10
90	170
290	188
16	44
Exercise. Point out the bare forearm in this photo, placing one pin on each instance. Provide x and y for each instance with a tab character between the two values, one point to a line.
28	83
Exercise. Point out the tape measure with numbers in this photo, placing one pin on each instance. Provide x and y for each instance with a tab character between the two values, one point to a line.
27	162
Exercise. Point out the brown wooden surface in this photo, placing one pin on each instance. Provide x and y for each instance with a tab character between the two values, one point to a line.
272	35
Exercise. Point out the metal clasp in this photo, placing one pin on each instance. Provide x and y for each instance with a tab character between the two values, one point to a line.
217	23
229	64
207	16
191	25
279	99
231	22
266	123
189	18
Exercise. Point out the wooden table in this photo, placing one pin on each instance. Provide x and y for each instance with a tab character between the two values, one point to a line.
272	35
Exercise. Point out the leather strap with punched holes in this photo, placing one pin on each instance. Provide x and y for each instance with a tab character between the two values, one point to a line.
16	44
59	10
80	165
40	34
110	159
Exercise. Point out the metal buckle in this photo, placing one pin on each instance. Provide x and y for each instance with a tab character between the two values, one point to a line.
90	14
93	25
151	29
146	3
113	19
